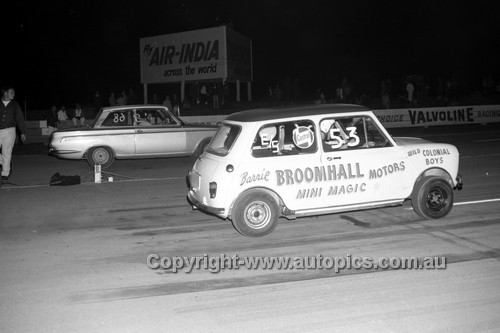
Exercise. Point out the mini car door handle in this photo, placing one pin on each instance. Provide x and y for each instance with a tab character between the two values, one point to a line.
139	131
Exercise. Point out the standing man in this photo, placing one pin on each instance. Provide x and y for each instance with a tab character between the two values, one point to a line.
410	89
11	116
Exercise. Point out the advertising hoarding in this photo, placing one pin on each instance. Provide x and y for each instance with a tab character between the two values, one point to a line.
452	115
197	55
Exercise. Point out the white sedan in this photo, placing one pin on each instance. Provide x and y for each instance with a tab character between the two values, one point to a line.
131	131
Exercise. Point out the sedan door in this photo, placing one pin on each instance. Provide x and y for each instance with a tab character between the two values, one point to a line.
158	134
115	129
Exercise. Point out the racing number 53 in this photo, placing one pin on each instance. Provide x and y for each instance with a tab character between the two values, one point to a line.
351	141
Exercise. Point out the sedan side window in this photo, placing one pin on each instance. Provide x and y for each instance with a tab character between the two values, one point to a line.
285	138
167	119
119	118
153	117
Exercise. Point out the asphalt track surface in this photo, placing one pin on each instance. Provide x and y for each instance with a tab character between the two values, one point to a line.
74	258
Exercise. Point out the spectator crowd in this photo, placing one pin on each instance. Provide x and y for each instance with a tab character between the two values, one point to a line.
203	97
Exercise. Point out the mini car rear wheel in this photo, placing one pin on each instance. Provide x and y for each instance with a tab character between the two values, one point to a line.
100	155
255	214
432	197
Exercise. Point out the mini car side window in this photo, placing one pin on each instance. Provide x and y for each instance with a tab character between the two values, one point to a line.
348	133
119	118
285	138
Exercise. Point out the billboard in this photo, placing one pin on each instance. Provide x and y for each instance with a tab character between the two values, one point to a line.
450	115
206	54
239	57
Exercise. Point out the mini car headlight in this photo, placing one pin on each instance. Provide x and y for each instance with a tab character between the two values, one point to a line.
212	189
67	140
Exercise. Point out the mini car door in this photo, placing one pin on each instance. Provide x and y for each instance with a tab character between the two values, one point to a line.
359	162
281	152
158	133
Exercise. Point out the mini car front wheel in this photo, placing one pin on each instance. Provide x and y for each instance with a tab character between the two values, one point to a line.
255	214
432	197
100	155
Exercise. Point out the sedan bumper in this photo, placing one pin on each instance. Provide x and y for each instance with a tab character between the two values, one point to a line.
68	154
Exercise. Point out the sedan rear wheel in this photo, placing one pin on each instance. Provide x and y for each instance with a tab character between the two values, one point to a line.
100	155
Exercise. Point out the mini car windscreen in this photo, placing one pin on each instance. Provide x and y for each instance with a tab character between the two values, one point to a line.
223	140
351	133
285	138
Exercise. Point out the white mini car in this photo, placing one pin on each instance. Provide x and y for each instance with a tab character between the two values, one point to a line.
291	162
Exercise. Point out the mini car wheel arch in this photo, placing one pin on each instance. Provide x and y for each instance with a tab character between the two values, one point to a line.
437	172
101	155
255	213
432	197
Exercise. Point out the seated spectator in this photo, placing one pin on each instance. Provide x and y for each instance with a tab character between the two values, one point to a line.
61	114
52	121
78	117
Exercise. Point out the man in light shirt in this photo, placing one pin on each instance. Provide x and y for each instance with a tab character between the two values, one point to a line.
11	116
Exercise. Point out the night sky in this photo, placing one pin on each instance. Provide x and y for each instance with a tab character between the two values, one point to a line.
60	52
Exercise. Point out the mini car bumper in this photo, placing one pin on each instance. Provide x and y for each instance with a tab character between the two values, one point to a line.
460	182
198	204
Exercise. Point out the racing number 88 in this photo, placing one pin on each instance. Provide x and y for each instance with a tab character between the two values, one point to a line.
118	117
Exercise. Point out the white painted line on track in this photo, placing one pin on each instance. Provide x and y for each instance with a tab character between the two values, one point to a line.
479	156
177	178
475	202
486	140
13	186
147	179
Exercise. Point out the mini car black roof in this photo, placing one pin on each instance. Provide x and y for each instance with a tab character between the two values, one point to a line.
296	111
